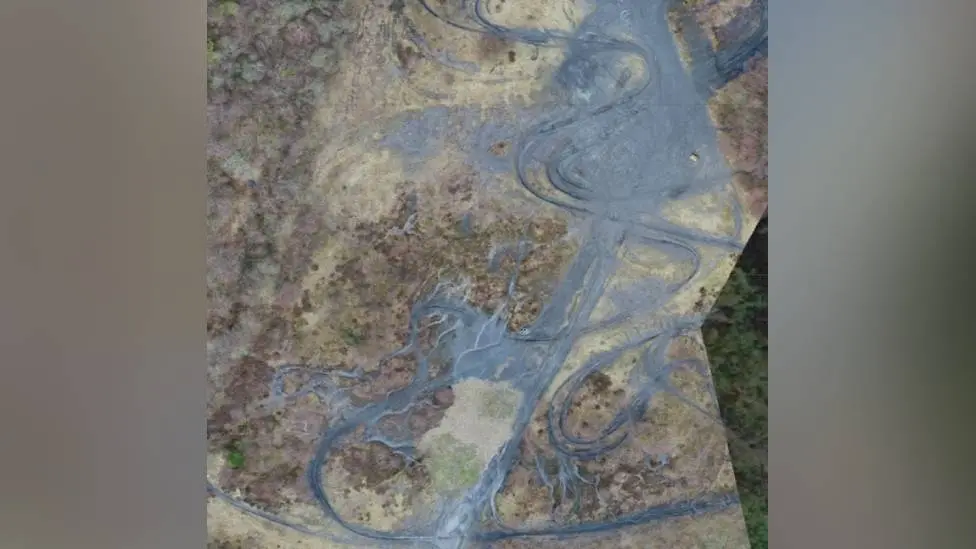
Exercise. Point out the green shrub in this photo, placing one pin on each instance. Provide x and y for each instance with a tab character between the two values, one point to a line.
235	455
735	336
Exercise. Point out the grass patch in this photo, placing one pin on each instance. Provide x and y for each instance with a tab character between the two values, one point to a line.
736	339
235	455
228	9
454	466
351	336
212	56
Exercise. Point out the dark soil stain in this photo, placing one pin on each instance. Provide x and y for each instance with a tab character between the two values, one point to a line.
373	462
491	46
600	382
500	148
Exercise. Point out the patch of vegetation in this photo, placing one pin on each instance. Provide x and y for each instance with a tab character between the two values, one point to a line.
235	455
737	343
228	9
740	111
212	56
453	465
352	336
499	404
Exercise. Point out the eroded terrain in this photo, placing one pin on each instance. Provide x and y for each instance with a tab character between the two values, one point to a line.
445	310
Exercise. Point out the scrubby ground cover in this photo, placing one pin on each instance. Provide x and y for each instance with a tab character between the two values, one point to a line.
736	338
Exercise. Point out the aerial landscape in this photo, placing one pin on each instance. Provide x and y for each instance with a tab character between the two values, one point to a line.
460	253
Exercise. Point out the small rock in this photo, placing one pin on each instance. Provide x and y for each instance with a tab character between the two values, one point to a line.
444	396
